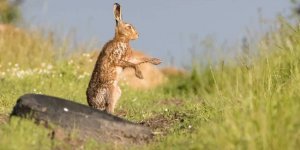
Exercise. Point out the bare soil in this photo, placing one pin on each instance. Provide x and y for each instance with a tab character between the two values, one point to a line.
161	124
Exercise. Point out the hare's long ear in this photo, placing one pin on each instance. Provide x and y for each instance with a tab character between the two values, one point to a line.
118	13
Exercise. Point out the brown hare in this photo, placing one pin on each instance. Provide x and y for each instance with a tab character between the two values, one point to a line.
103	91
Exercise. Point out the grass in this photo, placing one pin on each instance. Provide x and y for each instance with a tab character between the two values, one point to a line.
228	106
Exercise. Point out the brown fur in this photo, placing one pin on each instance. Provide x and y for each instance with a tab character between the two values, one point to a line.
103	91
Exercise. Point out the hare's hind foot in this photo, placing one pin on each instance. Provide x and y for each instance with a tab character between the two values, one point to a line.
99	106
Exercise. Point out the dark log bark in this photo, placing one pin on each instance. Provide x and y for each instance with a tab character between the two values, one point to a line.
86	121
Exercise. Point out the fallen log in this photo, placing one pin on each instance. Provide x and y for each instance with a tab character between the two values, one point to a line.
86	121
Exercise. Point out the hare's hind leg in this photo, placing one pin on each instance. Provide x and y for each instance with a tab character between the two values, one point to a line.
98	100
114	96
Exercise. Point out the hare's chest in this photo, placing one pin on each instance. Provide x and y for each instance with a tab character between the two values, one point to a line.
120	51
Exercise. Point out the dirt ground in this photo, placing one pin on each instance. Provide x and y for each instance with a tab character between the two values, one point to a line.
161	124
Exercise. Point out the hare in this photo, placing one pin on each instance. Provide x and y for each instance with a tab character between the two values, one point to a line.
103	91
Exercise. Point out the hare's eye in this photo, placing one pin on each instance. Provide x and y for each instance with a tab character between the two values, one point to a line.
129	27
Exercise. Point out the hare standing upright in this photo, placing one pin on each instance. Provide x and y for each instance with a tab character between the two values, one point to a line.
103	91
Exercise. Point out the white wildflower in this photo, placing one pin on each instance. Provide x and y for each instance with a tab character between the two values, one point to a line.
70	62
80	76
43	65
20	74
40	71
49	67
86	54
86	74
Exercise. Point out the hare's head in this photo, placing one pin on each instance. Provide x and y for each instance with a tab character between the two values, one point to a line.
123	30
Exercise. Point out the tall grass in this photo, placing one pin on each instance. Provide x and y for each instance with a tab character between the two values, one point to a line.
28	50
254	106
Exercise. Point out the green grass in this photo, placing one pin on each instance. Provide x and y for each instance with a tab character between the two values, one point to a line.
228	106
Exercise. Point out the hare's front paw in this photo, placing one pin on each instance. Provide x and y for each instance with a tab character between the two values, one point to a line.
155	61
138	73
